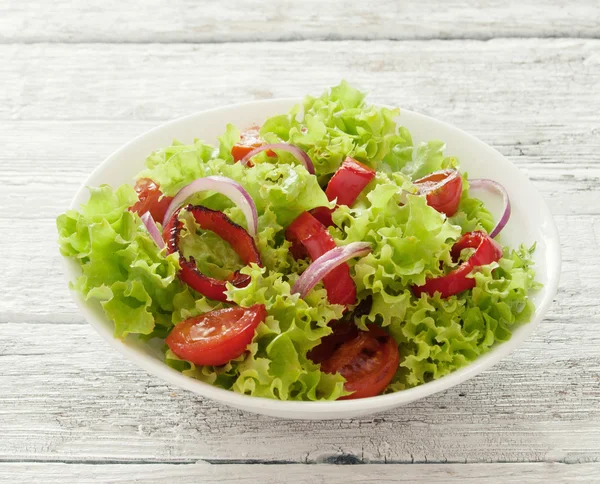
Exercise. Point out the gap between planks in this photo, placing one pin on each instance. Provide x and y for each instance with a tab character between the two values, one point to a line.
333	459
290	39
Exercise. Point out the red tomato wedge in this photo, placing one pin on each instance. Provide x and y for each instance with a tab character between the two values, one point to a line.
225	228
308	235
368	360
442	189
348	181
487	250
249	140
342	332
216	337
150	200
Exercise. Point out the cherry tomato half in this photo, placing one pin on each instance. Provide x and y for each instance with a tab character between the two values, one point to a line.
249	140
442	189
368	360
216	337
150	200
342	332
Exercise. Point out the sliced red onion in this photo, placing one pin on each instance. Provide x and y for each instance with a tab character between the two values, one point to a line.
150	225
225	186
299	154
326	263
494	186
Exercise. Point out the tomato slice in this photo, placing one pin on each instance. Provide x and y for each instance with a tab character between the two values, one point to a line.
224	227
150	200
487	250
342	332
348	181
308	235
442	189
249	140
216	337
368	360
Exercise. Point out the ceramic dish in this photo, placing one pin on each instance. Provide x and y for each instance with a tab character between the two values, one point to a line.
531	221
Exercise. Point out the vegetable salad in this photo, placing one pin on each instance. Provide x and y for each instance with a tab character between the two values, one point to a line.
320	256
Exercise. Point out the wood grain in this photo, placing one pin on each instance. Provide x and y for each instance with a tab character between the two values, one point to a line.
193	473
67	397
79	400
557	79
193	21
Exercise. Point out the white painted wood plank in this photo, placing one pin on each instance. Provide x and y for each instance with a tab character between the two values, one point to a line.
254	20
450	80
68	396
300	474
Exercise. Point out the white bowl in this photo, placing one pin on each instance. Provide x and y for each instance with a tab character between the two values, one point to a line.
531	221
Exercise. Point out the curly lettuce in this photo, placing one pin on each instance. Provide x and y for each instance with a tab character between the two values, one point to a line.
121	266
437	336
137	286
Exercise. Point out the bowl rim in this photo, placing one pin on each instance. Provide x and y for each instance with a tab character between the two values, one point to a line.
370	404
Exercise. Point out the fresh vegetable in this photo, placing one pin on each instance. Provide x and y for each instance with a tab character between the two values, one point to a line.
249	140
221	225
348	181
326	264
442	190
491	185
150	199
150	225
368	360
308	234
431	294
486	251
296	152
216	337
344	187
225	186
323	215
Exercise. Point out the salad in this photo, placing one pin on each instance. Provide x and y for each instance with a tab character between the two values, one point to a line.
320	256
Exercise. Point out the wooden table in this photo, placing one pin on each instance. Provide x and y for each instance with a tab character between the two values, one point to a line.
78	81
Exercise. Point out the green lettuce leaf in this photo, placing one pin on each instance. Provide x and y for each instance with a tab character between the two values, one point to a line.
121	266
177	165
137	285
276	365
408	240
339	124
437	336
472	214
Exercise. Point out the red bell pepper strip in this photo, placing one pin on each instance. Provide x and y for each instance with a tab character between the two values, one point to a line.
323	215
229	231
348	181
442	190
308	235
487	250
346	184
